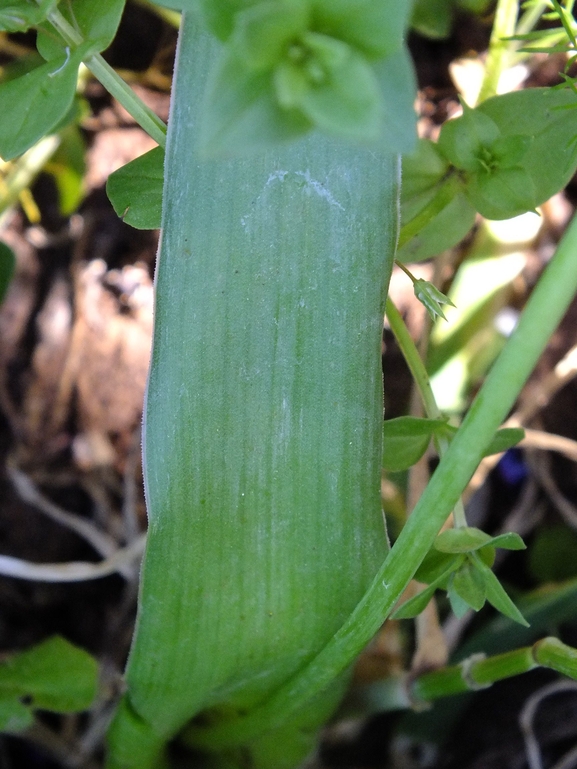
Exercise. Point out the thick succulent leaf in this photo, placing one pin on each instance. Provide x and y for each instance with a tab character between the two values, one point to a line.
32	105
406	440
55	675
135	190
7	266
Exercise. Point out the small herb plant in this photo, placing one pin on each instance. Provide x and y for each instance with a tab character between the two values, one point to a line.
268	568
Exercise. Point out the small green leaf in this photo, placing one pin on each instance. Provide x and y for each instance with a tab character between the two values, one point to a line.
469	584
431	298
509	541
502	192
343	97
405	441
418	603
20	16
504	439
241	112
459	606
7	267
55	675
14	716
497	596
372	26
436	564
135	190
263	33
465	140
463	540
33	104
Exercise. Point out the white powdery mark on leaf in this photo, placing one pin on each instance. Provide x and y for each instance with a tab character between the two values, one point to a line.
319	188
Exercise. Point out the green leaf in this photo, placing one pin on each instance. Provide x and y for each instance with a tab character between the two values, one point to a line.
541	115
418	603
504	439
502	193
54	675
465	140
469	584
7	267
33	104
346	101
431	298
497	596
459	606
241	113
372	26
462	540
135	190
20	16
97	23
218	15
68	166
263	32
14	716
436	564
424	173
406	439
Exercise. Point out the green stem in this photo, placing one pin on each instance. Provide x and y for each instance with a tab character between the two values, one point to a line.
113	83
543	312
447	190
499	47
423	383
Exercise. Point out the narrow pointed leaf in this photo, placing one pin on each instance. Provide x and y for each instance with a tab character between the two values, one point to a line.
497	596
418	603
461	540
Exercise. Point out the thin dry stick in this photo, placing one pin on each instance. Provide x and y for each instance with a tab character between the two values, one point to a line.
543	474
99	540
527	717
74	571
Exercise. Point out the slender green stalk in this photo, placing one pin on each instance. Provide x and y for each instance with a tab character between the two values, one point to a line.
422	381
114	84
499	47
541	316
445	193
413	359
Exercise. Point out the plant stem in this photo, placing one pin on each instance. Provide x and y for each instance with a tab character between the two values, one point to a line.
114	84
499	47
543	312
445	193
422	381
